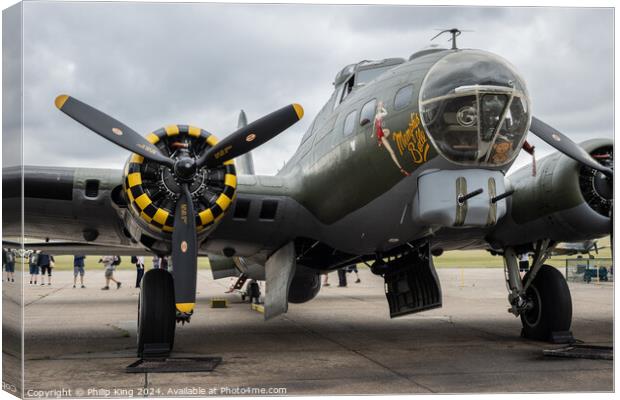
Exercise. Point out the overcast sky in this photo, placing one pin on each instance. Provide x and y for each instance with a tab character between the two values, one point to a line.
153	64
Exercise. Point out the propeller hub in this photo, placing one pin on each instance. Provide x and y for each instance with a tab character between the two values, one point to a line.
185	168
603	186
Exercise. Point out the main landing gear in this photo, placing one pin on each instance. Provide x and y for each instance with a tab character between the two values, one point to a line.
542	298
156	315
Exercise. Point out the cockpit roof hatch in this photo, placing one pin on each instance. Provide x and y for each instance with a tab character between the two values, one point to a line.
352	69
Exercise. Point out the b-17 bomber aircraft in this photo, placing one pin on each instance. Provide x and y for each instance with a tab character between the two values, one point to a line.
407	159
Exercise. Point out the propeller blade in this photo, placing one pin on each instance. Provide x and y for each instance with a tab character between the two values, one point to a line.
184	253
251	136
566	146
110	128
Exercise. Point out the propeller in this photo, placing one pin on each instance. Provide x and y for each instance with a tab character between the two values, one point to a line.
566	146
251	136
184	168
110	128
184	252
569	148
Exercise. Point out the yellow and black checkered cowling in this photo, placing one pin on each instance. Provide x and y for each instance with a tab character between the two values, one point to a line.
154	212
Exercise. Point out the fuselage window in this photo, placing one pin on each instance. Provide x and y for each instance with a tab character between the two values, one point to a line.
349	123
368	112
403	97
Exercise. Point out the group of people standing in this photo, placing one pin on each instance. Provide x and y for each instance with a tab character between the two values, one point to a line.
40	263
342	276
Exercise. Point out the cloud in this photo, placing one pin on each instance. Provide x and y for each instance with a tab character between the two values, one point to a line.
152	64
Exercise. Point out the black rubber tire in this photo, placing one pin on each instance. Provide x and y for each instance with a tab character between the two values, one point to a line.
156	310
553	307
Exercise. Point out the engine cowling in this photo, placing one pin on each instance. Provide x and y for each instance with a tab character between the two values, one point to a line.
305	285
152	190
565	201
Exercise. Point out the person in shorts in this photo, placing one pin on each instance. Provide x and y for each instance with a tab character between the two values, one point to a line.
9	264
34	267
46	263
109	265
78	269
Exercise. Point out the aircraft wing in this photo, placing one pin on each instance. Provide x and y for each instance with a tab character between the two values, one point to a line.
80	210
63	204
71	248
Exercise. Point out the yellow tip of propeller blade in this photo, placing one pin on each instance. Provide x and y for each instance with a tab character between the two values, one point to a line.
299	110
60	101
185	307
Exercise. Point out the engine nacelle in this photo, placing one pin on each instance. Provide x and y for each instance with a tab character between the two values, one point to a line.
305	286
151	189
565	201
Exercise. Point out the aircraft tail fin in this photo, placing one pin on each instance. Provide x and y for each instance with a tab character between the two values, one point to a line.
244	163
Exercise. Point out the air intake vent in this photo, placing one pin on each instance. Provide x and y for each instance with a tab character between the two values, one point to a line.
92	188
269	209
242	209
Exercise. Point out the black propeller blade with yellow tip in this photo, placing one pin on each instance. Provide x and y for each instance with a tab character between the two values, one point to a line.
183	166
251	136
184	252
110	128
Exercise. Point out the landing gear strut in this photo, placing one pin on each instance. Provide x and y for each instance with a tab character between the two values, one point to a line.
542	298
156	315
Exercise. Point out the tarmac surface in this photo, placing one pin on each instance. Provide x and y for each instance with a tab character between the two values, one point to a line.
79	341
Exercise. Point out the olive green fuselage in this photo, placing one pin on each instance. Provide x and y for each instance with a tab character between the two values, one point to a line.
353	169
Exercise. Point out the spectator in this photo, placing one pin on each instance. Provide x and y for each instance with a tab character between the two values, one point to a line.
163	263
109	265
325	281
78	268
342	277
353	268
34	267
139	261
156	262
46	263
524	263
8	258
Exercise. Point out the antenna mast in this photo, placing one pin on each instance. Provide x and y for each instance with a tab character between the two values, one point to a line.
454	32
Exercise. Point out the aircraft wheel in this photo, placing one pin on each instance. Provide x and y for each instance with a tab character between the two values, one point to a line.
379	268
156	313
552	309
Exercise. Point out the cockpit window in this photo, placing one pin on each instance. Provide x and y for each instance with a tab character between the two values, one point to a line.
474	107
367	75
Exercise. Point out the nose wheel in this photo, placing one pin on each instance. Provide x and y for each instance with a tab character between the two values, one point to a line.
156	315
550	307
